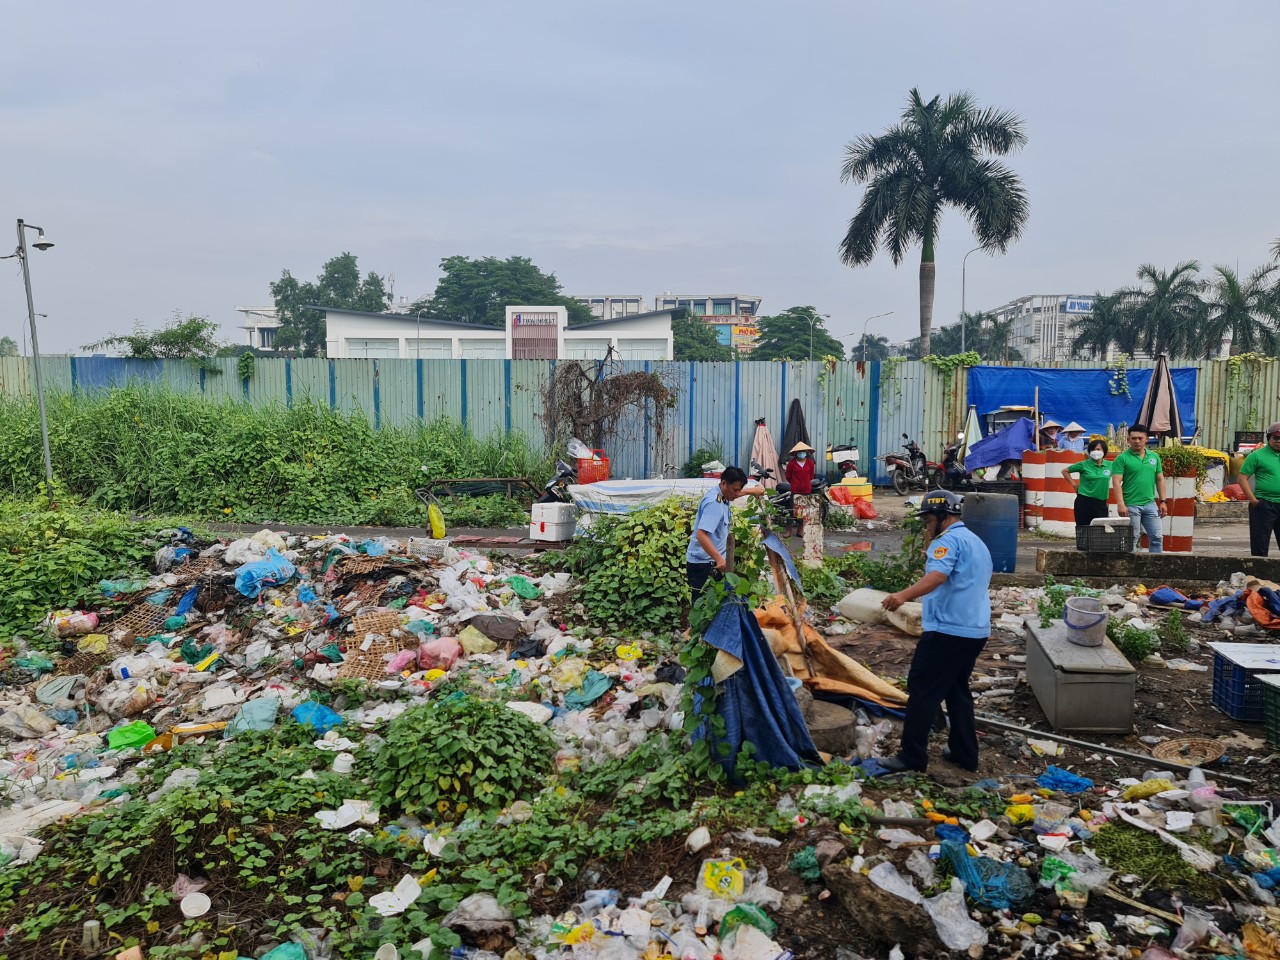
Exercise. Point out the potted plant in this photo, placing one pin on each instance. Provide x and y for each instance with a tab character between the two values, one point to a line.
1179	461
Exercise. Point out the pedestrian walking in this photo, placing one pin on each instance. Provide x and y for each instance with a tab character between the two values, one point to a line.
1092	479
1260	480
1137	476
954	594
1072	438
707	554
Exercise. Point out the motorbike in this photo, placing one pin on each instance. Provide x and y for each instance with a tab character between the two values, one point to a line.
911	469
557	488
845	457
952	474
783	500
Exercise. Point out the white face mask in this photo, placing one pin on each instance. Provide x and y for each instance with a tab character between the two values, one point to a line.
1096	454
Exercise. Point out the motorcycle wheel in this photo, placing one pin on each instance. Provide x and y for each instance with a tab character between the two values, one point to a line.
900	482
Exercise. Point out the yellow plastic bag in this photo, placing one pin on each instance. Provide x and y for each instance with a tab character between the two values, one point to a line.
724	878
1020	813
1148	788
435	519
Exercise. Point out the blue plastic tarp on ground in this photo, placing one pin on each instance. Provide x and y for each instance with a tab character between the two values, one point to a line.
757	705
1081	395
773	543
1008	444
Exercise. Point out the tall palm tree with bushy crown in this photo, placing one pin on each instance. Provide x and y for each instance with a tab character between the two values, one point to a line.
935	157
1246	311
1167	309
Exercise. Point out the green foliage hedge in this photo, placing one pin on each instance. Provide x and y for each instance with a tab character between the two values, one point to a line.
154	451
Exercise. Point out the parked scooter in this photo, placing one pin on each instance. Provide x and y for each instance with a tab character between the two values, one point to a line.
952	475
783	500
557	488
910	469
845	458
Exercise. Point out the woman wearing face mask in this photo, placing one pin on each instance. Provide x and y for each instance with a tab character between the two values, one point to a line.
1094	483
800	469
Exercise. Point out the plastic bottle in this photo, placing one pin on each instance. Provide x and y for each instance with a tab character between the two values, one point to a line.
130	668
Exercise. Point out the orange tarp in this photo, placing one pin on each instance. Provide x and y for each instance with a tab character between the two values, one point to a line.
836	673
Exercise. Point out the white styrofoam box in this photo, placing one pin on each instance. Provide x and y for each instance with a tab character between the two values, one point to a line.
554	532
554	513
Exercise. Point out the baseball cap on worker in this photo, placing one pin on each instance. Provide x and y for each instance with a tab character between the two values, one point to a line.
1273	430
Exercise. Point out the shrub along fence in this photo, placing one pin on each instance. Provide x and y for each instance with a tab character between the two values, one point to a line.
714	405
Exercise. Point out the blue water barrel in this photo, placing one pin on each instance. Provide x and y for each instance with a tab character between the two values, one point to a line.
993	517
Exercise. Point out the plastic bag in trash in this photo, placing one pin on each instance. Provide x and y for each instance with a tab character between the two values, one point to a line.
317	716
441	653
481	914
259	714
473	641
25	723
1055	778
956	929
137	734
274	569
747	913
523	588
988	882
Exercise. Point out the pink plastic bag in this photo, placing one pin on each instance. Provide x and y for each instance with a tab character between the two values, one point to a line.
441	653
401	660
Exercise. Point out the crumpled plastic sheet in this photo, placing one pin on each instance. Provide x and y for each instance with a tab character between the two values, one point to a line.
259	714
317	716
253	578
594	686
1055	778
988	882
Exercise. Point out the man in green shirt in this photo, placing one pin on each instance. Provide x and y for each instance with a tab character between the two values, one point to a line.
1138	478
1263	465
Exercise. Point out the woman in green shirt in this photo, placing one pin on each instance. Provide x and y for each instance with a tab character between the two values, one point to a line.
1094	484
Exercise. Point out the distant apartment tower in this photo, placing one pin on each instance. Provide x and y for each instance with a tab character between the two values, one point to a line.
1043	324
611	306
734	316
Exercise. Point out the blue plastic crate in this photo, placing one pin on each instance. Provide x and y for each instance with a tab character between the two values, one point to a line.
1236	690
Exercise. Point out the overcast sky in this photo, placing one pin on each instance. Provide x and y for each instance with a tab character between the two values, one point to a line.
181	156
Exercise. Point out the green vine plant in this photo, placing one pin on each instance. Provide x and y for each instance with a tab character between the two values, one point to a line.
889	375
948	366
1236	382
1118	382
245	365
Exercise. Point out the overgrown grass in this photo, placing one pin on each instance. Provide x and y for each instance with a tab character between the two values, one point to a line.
153	451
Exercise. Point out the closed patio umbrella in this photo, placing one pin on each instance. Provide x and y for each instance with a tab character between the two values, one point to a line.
764	452
1159	409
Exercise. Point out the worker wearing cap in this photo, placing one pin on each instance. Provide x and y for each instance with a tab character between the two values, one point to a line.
1072	438
800	469
1263	467
957	622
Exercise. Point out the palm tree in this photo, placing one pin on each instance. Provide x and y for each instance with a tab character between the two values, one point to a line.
994	340
932	159
1167	309
1275	250
1108	324
872	346
1247	312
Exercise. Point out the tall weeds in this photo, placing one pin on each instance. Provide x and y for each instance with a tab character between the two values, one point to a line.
155	451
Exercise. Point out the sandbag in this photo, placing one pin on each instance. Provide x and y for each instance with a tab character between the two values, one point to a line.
863	605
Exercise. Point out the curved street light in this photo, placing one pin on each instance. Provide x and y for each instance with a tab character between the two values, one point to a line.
21	253
864	331
963	283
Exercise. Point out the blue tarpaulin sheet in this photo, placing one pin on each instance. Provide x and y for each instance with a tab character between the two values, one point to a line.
1008	444
1081	395
757	705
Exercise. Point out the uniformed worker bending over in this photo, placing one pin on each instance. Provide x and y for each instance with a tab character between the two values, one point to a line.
957	622
707	555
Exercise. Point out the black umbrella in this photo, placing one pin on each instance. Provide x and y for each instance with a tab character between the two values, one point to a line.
796	431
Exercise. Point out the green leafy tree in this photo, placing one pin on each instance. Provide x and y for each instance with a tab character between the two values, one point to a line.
7	347
935	158
1167	309
871	346
339	285
696	340
788	335
1247	311
182	338
479	291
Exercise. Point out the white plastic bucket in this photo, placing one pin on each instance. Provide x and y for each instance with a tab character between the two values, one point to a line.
1086	621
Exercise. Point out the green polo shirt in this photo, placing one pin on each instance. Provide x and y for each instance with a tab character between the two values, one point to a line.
1263	465
1095	478
1138	476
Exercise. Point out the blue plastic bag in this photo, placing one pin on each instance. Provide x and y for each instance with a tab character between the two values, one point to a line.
252	578
306	595
188	601
257	714
317	716
1055	778
988	882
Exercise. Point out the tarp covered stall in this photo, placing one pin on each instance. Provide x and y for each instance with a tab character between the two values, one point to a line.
1085	396
1008	444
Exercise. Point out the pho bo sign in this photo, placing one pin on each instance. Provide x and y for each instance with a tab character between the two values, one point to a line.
1078	305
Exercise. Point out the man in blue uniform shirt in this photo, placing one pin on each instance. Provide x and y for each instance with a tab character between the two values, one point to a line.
957	623
708	550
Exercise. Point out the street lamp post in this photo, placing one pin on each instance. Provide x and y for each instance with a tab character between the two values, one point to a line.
864	332
417	349
963	283
21	253
813	318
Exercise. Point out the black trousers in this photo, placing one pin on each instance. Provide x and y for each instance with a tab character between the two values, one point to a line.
1264	523
698	574
939	674
1089	509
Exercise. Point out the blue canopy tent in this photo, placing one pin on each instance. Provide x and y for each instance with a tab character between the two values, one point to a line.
1090	397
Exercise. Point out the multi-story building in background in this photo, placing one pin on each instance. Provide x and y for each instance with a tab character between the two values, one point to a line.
1043	323
611	306
733	315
